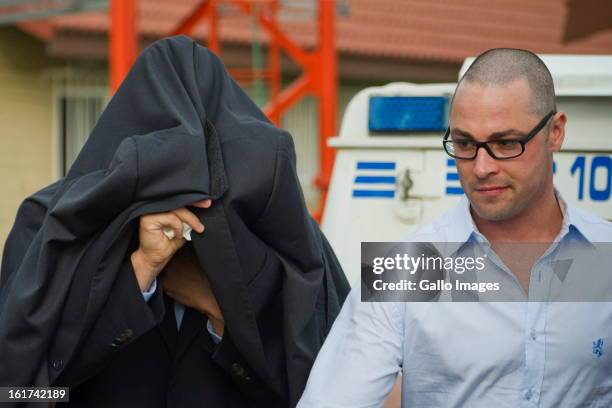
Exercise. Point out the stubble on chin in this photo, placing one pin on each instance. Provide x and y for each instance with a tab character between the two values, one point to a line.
494	208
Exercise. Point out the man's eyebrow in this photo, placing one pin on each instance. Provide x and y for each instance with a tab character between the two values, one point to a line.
493	136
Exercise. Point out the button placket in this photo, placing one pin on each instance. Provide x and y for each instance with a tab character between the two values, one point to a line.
534	350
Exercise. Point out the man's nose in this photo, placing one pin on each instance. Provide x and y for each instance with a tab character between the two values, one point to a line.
484	164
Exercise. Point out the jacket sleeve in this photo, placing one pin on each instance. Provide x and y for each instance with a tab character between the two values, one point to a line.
228	357
28	222
124	318
286	226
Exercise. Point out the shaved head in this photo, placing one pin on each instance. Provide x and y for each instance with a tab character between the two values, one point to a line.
504	96
501	66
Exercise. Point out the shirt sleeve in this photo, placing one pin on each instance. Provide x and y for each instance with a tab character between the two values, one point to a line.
360	358
179	312
149	293
211	330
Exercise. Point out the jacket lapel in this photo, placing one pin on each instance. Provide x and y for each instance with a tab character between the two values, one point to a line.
217	254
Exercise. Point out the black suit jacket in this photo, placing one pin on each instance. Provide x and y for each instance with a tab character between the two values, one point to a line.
178	130
135	356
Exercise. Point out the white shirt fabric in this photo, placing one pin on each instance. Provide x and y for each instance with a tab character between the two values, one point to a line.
479	354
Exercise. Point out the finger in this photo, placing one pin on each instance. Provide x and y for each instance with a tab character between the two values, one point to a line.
178	241
189	218
202	204
171	221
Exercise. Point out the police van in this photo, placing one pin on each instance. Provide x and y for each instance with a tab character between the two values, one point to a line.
391	174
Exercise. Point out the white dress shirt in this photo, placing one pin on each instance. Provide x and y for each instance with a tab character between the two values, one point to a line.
479	354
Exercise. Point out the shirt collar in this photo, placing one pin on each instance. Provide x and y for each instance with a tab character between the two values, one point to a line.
577	222
463	224
463	228
459	228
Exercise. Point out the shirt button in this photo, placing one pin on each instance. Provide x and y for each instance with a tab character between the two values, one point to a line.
528	395
533	334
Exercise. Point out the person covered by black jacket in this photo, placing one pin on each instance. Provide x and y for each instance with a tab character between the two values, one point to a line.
178	142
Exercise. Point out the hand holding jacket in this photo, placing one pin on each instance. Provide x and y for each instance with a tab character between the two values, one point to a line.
155	247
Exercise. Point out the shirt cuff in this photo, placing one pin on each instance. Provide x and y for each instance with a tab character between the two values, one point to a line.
149	293
211	330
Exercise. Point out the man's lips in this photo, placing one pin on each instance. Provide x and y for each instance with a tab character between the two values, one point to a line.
491	190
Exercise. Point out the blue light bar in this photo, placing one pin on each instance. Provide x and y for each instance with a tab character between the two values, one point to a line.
408	113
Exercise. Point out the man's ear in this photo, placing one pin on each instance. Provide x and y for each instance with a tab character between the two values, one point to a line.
556	134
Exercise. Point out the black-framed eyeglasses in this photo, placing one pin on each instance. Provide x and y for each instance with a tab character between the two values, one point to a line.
503	149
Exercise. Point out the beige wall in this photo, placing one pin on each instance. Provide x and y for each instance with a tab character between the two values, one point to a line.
26	140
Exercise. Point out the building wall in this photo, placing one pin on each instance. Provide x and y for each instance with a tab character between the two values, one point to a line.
302	121
26	122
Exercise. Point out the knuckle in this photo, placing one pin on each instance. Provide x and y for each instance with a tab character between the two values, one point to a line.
181	214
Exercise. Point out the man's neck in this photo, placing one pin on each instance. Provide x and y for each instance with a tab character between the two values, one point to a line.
540	223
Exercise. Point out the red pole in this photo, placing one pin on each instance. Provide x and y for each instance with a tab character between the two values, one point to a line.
274	63
288	97
328	94
213	29
123	40
187	25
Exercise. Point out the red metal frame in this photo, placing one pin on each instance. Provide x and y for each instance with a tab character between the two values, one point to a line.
123	40
328	97
319	66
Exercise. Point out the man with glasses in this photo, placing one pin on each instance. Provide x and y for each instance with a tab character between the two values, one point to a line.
504	129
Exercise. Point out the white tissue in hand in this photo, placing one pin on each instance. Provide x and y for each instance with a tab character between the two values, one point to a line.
169	232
